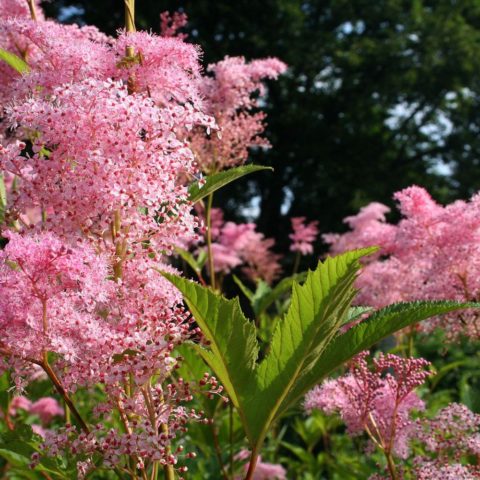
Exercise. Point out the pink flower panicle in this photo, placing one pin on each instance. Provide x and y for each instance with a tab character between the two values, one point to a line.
237	245
46	408
228	95
377	399
434	247
303	236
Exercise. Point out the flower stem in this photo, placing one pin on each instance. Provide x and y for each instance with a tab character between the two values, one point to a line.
58	385
211	265
31	7
391	466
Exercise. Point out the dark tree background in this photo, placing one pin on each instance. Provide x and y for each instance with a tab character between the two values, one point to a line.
379	95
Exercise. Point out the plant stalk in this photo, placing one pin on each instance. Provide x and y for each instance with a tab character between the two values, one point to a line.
252	464
33	11
211	265
56	382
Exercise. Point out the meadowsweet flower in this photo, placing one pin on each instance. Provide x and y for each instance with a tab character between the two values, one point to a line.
303	236
435	247
228	96
237	245
378	401
107	151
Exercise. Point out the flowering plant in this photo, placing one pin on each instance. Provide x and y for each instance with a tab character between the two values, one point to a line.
104	146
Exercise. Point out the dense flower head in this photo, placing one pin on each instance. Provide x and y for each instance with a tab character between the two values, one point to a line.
19	8
47	290
56	54
376	400
368	227
434	247
303	236
98	150
229	97
167	68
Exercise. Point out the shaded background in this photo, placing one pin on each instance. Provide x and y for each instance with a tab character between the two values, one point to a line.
379	95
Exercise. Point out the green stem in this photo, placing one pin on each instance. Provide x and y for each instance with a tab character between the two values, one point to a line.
211	265
391	466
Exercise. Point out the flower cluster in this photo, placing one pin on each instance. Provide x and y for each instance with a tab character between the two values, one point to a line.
237	245
377	400
229	98
450	437
94	151
434	247
303	236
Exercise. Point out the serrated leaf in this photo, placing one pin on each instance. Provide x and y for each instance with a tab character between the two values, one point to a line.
317	310
379	325
216	181
14	61
305	346
234	348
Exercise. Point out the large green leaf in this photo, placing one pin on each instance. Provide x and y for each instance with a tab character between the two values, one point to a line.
216	181
317	310
14	61
233	348
307	343
379	325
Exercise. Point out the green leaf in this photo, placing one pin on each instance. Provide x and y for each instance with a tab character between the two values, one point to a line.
381	324
317	310
306	344
282	287
189	258
233	349
219	180
14	61
245	290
